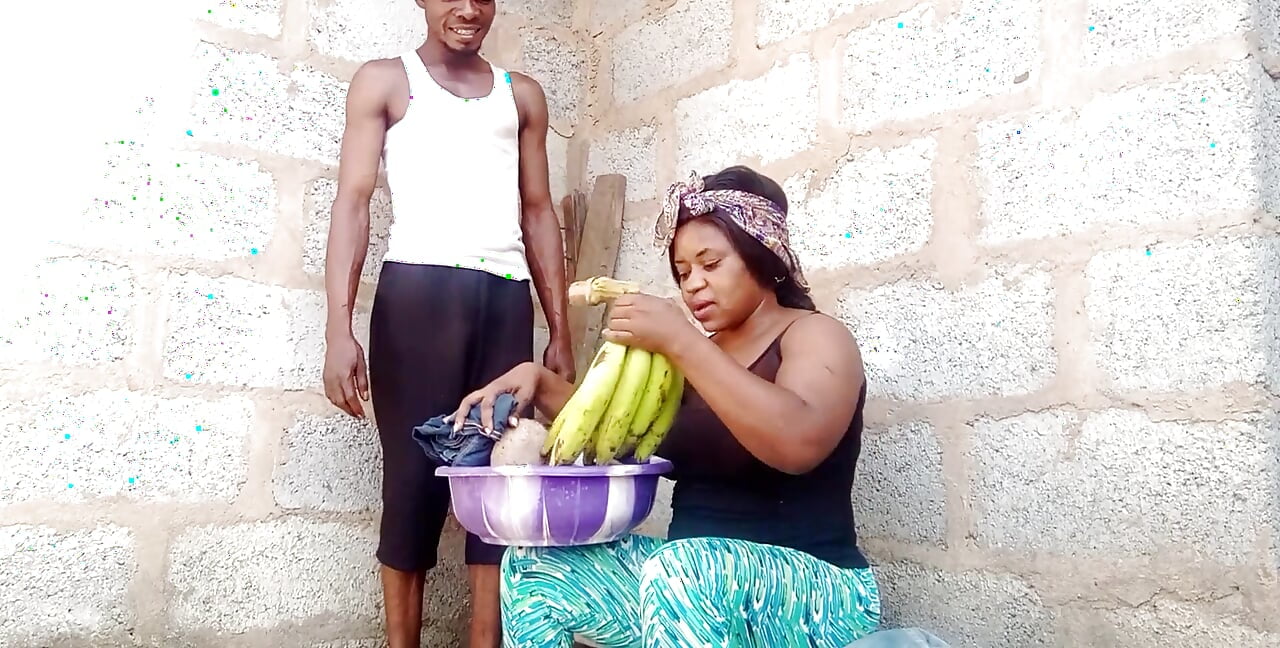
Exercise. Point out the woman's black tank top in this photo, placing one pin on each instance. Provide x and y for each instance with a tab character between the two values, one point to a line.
722	490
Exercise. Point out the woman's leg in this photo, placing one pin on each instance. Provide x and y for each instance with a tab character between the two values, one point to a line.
720	592
550	594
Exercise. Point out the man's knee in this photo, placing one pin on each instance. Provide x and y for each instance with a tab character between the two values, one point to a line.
483	578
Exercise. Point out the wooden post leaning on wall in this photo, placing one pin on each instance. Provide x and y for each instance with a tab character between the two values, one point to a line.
597	237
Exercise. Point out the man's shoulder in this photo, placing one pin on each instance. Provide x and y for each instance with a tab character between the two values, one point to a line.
377	80
528	92
377	71
522	78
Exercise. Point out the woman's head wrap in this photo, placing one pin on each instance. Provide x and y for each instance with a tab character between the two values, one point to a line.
758	216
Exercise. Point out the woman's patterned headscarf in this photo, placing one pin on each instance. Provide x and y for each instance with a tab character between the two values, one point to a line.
756	215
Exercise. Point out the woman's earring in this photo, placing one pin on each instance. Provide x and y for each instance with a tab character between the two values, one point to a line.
779	280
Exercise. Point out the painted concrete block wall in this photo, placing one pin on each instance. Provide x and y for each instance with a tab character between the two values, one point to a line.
1053	228
170	472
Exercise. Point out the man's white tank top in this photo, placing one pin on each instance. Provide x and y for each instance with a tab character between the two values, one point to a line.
453	168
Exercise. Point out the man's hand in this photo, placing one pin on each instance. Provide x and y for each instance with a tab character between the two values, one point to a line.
346	380
558	357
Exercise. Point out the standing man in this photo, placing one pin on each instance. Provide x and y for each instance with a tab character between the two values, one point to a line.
464	145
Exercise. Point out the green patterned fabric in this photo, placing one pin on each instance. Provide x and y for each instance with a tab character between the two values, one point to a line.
694	592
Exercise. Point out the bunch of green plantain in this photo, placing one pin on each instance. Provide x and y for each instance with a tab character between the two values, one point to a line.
623	408
626	402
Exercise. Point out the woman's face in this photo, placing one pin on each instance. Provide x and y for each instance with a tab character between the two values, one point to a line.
714	281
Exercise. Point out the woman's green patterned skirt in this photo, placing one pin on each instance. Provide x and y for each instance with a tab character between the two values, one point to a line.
690	593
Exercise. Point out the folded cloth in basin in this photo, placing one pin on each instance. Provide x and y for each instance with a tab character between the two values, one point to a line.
468	446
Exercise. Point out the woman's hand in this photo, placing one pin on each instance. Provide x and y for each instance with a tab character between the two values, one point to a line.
651	323
521	382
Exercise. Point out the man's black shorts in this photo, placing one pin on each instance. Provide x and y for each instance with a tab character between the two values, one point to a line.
437	334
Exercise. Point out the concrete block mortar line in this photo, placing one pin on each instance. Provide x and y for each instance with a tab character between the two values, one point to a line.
1061	43
283	262
632	116
1076	376
502	46
742	38
1263	549
576	153
341	69
257	498
30	382
22	382
1023	98
289	49
275	163
655	8
1174	572
666	151
1230	402
581	15
1203	58
742	65
945	9
951	428
149	591
598	89
827	283
841	25
1236	402
1076	249
1270	60
296	23
955	202
832	147
174	517
651	10
882	551
226	37
1262	599
144	364
147	265
886	134
830	64
746	61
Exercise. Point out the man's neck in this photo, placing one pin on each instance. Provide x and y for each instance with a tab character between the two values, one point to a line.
434	52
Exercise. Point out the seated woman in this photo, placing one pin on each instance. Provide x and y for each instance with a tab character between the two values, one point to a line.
762	549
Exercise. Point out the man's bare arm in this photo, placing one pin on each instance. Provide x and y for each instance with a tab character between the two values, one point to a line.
362	141
543	242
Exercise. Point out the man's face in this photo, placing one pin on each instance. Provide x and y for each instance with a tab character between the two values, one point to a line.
460	25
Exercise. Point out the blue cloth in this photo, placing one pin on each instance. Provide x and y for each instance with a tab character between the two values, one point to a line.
469	446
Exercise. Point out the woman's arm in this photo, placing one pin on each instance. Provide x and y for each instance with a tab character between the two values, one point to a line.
552	392
528	382
794	423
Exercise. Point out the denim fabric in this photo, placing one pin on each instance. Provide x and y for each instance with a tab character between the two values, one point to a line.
468	446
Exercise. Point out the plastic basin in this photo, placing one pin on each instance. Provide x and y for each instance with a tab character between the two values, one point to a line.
553	506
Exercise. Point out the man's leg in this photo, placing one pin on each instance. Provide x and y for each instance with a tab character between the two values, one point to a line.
402	599
503	338
414	376
486	612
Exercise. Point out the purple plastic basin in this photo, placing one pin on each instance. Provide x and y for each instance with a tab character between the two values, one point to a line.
553	506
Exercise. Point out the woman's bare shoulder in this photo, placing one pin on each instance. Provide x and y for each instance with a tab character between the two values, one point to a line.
819	333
